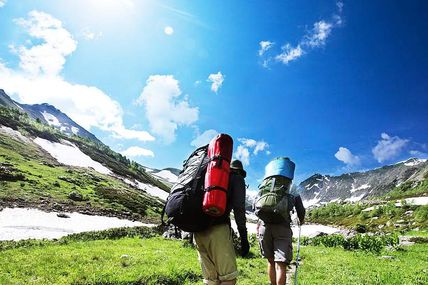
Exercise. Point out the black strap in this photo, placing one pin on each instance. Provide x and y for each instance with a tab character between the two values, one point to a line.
219	157
215	188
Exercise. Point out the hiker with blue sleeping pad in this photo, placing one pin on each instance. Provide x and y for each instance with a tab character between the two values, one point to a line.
273	206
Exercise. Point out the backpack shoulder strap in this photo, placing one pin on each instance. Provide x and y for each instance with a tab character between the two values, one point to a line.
200	168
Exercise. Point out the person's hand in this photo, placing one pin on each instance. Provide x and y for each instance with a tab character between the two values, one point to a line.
245	247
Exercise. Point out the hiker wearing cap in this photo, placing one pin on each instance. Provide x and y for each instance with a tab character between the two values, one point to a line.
273	205
215	245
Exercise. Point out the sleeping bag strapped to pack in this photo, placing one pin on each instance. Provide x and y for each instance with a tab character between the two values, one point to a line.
184	204
274	202
217	176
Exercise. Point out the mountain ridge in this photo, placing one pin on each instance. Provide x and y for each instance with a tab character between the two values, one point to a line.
48	114
356	186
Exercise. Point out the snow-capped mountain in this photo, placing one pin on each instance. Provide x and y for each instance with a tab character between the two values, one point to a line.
352	187
48	114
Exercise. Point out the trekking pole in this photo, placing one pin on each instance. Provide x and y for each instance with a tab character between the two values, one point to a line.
297	253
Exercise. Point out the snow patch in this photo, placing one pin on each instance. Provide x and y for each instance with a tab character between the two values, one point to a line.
311	202
153	190
414	162
69	154
167	175
355	198
150	189
335	200
21	223
51	119
312	186
75	130
418	201
362	187
369	209
311	230
15	134
307	230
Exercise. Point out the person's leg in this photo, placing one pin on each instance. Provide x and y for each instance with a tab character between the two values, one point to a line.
264	234
203	241
271	271
223	254
281	270
283	251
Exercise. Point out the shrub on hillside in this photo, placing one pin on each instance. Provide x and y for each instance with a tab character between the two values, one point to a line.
364	242
421	213
75	196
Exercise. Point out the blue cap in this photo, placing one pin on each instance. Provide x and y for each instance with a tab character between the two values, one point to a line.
282	166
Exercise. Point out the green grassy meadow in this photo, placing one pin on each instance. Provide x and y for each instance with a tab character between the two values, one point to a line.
154	260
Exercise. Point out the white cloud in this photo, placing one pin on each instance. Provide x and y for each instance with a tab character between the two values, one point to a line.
289	53
419	154
248	147
38	81
87	34
217	81
248	142
135	151
49	57
388	147
165	110
243	154
314	38
168	30
2	3
257	146
204	138
265	46
319	34
261	146
86	105
346	156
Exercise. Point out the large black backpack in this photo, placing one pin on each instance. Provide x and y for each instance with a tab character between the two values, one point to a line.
184	204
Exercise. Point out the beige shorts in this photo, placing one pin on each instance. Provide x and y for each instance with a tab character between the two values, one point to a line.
276	242
216	254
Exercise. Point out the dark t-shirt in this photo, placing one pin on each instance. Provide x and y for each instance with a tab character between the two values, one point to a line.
235	202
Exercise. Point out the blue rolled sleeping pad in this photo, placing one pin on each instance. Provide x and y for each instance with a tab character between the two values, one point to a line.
280	166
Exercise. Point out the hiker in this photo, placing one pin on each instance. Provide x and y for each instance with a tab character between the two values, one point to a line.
274	226
215	245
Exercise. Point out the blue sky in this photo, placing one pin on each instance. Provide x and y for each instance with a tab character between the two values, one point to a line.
337	86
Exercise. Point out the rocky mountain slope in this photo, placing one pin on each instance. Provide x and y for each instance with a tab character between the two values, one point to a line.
49	115
405	176
46	167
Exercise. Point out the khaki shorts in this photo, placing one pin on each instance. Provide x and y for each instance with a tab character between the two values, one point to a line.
216	254
276	242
